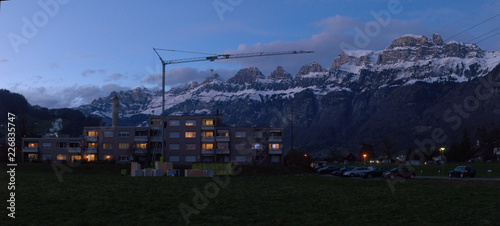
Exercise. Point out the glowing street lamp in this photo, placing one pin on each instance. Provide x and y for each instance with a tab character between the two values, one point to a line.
442	161
364	159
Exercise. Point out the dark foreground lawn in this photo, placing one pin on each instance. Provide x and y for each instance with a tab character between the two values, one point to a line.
97	195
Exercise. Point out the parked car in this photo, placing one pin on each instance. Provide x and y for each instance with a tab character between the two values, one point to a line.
399	172
462	171
326	169
341	171
356	172
375	172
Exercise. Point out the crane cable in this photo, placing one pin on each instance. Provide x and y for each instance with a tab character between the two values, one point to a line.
182	51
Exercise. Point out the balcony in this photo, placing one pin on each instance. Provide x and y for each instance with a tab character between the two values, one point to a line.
207	152
275	151
30	150
155	139
90	151
155	127
207	127
207	139
222	151
91	138
75	150
141	138
223	138
140	151
275	139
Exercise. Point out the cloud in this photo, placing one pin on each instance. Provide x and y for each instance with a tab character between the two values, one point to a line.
182	75
92	71
66	97
115	77
87	72
326	43
4	60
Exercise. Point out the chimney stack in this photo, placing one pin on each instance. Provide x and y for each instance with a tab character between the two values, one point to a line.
114	120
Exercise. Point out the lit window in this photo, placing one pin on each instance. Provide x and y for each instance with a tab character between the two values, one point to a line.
123	134
141	146
33	156
32	145
207	134
108	157
91	145
223	133
241	134
89	157
61	157
222	145
173	146
123	145
274	146
190	146
75	158
208	122
207	146
107	146
174	123
156	122
92	133
190	134
190	122
174	135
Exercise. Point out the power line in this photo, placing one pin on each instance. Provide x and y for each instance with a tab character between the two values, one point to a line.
482	22
488	37
469	15
483	34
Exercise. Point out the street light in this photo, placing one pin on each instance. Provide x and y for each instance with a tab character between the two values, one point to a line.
364	159
442	161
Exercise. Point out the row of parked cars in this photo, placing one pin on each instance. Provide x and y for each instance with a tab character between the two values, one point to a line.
367	172
386	172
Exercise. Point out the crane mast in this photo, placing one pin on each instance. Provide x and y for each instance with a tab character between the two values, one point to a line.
212	57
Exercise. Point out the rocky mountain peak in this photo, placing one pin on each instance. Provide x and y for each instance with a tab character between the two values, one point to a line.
312	67
247	75
437	39
214	77
410	40
280	73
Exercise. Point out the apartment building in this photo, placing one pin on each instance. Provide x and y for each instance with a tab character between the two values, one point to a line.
186	139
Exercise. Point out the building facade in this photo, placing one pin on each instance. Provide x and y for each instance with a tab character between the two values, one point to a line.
186	139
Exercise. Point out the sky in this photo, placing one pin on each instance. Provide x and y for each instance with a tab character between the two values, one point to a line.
66	53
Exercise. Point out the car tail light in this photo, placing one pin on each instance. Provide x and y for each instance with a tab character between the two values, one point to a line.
466	171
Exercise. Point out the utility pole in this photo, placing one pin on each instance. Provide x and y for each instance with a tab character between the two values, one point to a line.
292	127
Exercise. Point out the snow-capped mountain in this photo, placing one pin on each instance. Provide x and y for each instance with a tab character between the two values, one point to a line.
349	90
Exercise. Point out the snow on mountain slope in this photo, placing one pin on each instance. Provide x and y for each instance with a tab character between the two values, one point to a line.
409	59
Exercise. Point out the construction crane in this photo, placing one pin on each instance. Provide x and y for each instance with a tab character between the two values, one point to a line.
211	57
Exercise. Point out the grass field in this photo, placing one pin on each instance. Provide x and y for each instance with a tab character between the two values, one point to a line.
96	194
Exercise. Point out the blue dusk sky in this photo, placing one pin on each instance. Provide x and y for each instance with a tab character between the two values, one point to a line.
65	53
